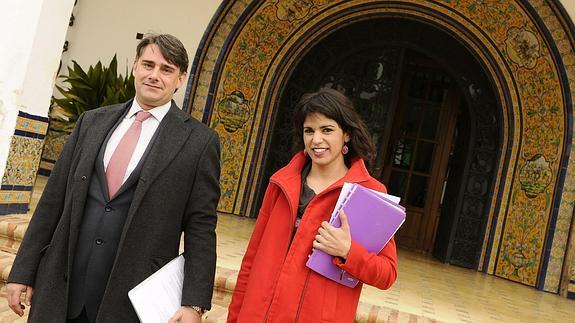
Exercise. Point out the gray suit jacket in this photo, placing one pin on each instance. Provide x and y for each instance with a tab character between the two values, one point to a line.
178	191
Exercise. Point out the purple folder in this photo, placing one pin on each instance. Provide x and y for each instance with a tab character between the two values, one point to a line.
373	220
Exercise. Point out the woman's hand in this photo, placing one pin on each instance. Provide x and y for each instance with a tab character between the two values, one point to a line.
334	241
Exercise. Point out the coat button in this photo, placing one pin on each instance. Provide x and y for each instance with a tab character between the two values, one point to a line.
99	242
84	178
108	208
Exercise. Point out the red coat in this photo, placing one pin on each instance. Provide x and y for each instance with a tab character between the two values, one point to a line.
274	285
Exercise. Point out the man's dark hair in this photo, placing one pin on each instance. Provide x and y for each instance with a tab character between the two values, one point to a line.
171	48
336	106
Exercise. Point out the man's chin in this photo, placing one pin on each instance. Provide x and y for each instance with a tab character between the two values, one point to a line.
148	103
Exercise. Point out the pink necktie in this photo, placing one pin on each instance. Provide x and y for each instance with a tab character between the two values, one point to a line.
121	157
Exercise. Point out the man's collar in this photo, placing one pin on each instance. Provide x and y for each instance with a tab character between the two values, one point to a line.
158	112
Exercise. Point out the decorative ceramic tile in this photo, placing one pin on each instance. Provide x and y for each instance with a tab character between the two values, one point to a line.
572	279
32	124
561	38
15	197
23	161
55	141
203	72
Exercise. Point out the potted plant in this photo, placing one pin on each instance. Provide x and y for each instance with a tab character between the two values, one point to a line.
85	90
99	86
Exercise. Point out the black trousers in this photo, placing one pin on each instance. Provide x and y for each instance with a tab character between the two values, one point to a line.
82	318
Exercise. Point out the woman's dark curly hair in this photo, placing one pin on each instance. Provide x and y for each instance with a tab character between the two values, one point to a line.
336	106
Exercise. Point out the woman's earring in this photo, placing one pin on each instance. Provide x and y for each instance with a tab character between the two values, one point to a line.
344	150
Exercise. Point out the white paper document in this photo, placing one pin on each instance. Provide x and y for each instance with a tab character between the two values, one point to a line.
157	298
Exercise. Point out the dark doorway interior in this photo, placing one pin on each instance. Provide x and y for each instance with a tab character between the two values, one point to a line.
433	117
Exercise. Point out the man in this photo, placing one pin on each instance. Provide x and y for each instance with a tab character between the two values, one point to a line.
131	178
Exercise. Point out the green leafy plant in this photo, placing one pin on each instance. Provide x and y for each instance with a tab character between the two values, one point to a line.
97	87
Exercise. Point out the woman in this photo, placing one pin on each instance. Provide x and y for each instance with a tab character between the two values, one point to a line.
274	284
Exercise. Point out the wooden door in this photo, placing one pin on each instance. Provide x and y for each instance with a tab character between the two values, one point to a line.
417	157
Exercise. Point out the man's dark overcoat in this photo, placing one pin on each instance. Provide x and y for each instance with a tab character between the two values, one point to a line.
177	192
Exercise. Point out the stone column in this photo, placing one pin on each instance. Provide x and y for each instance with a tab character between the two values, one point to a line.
33	32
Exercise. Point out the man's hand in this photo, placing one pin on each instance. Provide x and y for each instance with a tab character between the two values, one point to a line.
334	241
14	291
186	314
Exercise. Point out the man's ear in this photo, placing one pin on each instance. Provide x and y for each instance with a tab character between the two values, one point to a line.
181	79
134	67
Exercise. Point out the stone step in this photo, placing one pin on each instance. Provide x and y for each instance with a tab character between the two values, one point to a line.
6	261
12	229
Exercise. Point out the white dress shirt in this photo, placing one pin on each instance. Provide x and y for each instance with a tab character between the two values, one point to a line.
149	127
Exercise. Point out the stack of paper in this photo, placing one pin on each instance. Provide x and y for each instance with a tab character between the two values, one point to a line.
373	218
157	298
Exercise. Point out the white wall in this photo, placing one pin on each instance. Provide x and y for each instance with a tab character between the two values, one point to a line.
569	6
106	27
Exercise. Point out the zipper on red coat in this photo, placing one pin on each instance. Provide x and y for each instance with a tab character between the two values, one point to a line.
302	296
309	272
289	243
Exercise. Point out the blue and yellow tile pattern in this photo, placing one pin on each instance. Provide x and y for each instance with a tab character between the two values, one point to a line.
23	162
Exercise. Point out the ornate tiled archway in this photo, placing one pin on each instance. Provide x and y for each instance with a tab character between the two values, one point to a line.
527	48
